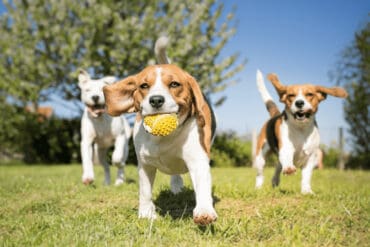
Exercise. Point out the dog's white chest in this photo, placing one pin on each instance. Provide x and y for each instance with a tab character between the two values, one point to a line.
165	153
304	142
105	129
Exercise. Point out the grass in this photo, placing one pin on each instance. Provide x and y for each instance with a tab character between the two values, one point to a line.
49	206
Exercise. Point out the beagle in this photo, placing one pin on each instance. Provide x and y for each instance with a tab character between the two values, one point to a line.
160	89
293	134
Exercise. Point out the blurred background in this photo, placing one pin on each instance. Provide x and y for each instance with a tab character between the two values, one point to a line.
221	43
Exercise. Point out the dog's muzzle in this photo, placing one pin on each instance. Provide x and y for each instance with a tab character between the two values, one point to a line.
96	110
302	115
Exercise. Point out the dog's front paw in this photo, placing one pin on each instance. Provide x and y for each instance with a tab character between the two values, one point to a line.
203	216
259	182
87	180
147	211
307	191
119	181
289	170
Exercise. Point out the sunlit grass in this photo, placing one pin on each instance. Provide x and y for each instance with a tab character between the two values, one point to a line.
49	206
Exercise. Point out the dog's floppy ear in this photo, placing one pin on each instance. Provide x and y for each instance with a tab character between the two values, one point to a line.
333	91
119	97
280	88
202	113
83	77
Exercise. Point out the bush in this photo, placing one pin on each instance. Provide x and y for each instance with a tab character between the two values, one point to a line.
330	156
361	161
38	140
230	150
51	141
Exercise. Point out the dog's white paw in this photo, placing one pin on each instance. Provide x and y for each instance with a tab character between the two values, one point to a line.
147	211
204	216
307	191
289	170
87	179
259	182
119	181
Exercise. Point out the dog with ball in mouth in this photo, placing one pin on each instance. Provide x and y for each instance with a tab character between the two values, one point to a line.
173	131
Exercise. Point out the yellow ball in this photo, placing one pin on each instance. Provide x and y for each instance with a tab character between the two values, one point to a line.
160	124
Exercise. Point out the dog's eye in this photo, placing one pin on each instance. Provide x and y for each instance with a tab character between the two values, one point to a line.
310	95
174	84
291	96
144	86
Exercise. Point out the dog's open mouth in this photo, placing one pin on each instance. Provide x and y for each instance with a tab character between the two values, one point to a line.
96	110
302	115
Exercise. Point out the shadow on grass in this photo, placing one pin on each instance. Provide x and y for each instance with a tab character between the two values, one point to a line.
286	192
178	206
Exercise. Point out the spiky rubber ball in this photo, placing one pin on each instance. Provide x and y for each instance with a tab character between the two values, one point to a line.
160	124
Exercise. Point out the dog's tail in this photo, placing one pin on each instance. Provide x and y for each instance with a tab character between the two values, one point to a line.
160	50
266	97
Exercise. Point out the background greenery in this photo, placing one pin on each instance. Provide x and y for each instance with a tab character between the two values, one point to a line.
43	44
49	206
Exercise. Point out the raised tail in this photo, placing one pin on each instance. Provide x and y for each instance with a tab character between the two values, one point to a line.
266	97
160	50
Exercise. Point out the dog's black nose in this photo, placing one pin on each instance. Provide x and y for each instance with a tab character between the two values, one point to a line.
299	103
95	98
156	101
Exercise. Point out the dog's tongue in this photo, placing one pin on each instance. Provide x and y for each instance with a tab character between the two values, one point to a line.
97	110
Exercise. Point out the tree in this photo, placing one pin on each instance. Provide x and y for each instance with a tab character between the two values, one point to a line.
354	72
43	43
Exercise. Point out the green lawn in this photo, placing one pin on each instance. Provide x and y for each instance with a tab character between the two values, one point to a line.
49	206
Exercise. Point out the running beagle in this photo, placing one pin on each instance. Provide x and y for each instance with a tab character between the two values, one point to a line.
293	134
166	88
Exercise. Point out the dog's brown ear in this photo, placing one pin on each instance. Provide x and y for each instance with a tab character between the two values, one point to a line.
202	113
333	91
280	88
119	97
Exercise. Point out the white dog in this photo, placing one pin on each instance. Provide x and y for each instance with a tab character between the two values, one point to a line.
99	131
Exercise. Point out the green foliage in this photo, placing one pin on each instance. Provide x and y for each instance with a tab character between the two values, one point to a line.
230	150
43	43
358	161
49	206
354	72
37	139
330	156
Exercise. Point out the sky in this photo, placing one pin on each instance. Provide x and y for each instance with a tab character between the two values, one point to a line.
301	41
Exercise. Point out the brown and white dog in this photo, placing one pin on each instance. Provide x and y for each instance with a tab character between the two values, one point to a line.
159	89
292	134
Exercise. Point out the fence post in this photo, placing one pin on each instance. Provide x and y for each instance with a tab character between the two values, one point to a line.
254	145
341	152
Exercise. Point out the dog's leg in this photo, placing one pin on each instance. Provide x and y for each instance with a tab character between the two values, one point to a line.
102	155
176	184
307	174
286	155
276	177
119	157
87	161
259	163
146	180
200	174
